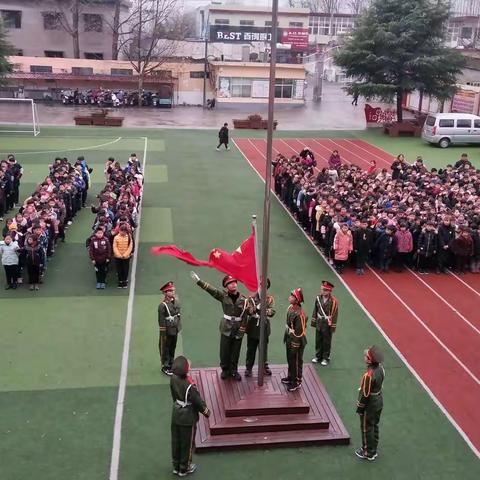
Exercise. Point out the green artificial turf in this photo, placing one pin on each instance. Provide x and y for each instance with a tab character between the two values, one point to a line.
60	348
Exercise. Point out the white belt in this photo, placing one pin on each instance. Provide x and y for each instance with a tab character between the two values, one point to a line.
182	404
233	319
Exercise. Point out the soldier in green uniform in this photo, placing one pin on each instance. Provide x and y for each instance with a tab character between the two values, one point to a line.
170	325
233	324
253	331
370	403
295	340
187	404
324	320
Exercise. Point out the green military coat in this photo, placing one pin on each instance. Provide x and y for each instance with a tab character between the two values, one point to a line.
187	402
169	317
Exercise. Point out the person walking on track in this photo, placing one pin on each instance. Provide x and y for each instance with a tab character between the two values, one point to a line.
223	137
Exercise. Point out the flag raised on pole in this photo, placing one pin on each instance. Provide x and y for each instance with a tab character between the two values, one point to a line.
240	264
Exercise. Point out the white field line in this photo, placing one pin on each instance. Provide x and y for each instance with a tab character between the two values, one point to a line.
117	429
465	283
356	145
92	147
449	305
377	325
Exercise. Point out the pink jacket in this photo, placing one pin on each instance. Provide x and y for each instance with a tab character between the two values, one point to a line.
404	241
343	245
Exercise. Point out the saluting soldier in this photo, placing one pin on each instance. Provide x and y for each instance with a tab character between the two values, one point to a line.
187	404
370	403
253	331
232	325
170	325
295	340
324	320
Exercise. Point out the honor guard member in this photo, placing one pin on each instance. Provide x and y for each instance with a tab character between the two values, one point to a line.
295	340
170	326
253	331
370	403
232	325
324	320
187	404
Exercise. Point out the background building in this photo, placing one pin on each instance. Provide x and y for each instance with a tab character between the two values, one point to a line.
41	28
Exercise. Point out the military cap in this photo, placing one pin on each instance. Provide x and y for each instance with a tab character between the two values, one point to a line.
298	294
228	279
167	287
327	285
180	366
374	354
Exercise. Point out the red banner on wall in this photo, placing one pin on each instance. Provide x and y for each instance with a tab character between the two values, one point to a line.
296	37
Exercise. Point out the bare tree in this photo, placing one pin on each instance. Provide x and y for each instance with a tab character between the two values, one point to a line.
154	28
357	6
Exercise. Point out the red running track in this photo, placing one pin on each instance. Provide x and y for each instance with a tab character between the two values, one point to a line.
433	321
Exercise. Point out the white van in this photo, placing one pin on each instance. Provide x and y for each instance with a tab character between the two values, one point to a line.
444	129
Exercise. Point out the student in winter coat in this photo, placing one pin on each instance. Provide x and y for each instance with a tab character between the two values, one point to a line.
446	234
334	162
475	261
100	251
122	251
9	256
462	248
223	137
342	246
404	239
362	245
35	260
427	248
385	247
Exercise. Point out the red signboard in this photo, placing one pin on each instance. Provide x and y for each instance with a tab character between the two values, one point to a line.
296	37
378	115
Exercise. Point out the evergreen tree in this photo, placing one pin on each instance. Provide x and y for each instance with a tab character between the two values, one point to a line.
5	50
398	47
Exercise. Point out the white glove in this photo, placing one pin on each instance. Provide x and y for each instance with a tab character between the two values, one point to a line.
194	276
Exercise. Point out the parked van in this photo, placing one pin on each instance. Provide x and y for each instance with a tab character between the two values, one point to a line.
445	129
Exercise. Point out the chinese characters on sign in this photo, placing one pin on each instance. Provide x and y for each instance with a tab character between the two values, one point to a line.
296	37
463	101
379	116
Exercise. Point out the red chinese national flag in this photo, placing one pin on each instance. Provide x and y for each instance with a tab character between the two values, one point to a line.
240	264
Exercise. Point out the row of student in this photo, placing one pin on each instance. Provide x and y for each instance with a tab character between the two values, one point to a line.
10	174
115	221
411	199
31	236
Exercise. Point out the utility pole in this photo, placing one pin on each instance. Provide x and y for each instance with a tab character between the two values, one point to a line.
266	202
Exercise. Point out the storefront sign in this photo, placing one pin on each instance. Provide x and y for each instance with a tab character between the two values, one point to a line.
227	33
296	37
463	101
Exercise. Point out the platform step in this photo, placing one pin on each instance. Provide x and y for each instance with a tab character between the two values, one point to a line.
275	406
268	423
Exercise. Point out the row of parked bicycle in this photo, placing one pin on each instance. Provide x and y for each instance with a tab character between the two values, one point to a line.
111	98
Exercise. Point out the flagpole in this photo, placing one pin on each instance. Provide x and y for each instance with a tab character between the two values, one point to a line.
266	202
257	263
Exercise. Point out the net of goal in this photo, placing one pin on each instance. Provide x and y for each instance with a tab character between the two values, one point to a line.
19	115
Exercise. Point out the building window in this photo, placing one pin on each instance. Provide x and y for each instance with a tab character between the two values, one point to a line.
247	23
52	20
12	18
92	22
93	55
53	53
121	71
199	74
222	21
82	71
283	88
40	69
167	74
241	87
319	26
453	32
296	24
268	23
466	33
342	25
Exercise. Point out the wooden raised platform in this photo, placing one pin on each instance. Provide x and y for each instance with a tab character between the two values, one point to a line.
245	416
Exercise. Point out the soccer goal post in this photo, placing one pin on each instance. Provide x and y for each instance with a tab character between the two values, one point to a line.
19	115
